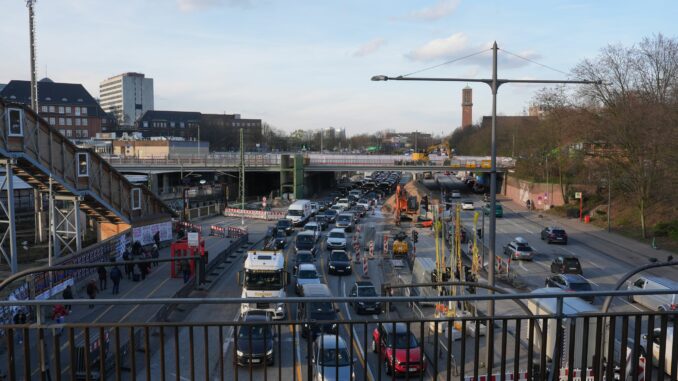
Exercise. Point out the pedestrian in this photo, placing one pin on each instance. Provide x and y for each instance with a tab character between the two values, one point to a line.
102	277
156	238
68	295
155	254
92	291
59	313
185	270
116	276
129	269
143	268
20	318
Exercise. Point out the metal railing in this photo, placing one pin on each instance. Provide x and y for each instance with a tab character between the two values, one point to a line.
559	345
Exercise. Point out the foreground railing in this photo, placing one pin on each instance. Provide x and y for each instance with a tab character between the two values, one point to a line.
338	344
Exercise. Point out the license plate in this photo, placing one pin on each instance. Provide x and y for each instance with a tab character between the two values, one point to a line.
413	369
340	270
256	361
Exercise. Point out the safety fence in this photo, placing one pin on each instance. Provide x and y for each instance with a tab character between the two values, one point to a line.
554	341
188	226
204	211
227	231
254	214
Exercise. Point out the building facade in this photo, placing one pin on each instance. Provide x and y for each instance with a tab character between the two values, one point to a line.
157	148
127	96
183	124
67	106
223	131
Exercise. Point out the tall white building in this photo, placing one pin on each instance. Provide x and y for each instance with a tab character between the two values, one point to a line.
127	96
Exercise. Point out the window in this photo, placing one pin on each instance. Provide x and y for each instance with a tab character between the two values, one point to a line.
62	121
52	121
77	133
52	109
85	133
68	109
43	108
69	133
136	198
15	121
84	122
69	121
145	124
181	125
83	163
62	132
172	124
84	110
61	109
77	122
77	111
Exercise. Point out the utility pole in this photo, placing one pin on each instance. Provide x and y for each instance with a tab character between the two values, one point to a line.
242	178
34	82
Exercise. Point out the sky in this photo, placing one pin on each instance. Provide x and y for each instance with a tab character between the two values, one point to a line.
307	64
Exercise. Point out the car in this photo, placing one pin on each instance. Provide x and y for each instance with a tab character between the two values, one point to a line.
344	203
345	221
467	205
255	340
337	208
285	225
364	203
456	194
303	256
305	240
553	234
364	289
498	212
307	274
519	249
322	220
314	228
359	210
331	360
339	262
570	282
399	349
566	264
331	215
336	239
280	239
318	316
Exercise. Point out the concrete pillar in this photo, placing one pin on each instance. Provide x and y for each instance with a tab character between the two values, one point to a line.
165	178
155	184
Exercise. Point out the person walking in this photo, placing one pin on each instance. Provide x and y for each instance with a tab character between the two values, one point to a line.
143	268
59	313
129	269
20	318
116	276
155	254
92	291
67	294
102	277
156	238
185	270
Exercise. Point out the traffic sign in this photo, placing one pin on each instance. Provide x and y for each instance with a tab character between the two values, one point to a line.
263	201
577	195
193	239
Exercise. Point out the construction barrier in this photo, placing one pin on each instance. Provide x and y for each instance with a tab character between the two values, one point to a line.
384	251
236	232
371	249
577	374
366	268
218	231
254	214
189	226
521	376
227	231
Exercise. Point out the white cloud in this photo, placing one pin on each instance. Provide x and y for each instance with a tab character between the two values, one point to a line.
194	5
369	47
440	48
439	10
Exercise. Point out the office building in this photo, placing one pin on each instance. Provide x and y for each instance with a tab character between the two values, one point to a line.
127	96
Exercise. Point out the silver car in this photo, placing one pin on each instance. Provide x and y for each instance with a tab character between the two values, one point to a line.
331	361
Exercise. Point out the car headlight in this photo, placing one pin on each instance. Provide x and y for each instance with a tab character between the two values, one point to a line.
334	326
361	303
239	353
279	308
348	267
269	352
332	267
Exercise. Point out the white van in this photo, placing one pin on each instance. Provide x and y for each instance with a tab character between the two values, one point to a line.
665	302
655	338
299	212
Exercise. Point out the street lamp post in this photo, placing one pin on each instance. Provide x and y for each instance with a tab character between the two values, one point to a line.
494	84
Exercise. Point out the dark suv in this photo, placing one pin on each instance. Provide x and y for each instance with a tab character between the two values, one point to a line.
571	283
364	289
566	264
554	235
285	225
254	341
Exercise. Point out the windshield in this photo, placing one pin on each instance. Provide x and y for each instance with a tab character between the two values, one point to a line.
263	280
558	232
322	311
256	332
304	258
366	291
403	340
339	256
330	212
284	223
332	357
311	227
281	234
337	235
524	248
307	274
580	286
342	201
571	263
303	238
295	212
344	218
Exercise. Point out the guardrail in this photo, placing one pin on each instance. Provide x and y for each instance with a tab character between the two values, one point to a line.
557	346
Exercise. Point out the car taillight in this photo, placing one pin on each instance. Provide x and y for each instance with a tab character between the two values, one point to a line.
673	307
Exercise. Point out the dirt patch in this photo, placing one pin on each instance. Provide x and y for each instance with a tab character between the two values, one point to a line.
412	188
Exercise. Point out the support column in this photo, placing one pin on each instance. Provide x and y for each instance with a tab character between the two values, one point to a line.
67	229
165	182
78	228
39	218
7	185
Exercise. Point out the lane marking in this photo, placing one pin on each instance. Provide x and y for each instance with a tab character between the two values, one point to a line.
359	348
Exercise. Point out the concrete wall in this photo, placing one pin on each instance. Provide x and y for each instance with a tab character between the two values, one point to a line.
520	191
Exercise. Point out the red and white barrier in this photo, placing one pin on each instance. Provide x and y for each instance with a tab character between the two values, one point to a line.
189	226
366	268
522	376
254	214
228	231
371	249
577	374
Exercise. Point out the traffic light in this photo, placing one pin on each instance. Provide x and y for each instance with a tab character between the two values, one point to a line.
415	236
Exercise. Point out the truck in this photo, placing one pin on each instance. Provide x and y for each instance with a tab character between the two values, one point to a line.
299	212
264	276
571	306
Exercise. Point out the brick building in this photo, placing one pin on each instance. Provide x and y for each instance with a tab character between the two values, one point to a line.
223	131
67	106
156	123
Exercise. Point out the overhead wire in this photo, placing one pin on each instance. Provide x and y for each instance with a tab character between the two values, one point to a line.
446	62
534	62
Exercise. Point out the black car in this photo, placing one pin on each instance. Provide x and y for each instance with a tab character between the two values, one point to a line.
339	263
322	221
303	256
363	289
554	235
254	342
305	241
331	215
285	225
566	264
280	240
570	282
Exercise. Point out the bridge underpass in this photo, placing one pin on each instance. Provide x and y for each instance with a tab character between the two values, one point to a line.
68	180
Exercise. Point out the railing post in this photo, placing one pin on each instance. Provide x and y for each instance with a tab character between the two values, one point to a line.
555	359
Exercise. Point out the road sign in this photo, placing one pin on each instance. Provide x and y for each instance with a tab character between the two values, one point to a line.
193	239
577	195
263	201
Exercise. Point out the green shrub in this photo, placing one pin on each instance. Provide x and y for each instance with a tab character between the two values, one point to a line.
667	229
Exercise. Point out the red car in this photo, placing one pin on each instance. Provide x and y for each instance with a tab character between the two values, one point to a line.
386	340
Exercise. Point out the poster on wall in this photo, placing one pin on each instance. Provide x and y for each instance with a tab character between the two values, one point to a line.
144	234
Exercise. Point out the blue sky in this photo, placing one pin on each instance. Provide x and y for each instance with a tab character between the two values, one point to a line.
307	64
